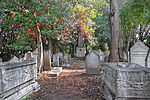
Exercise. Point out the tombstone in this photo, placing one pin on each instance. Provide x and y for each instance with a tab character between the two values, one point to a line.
28	56
92	63
60	58
66	58
138	54
80	52
125	81
56	59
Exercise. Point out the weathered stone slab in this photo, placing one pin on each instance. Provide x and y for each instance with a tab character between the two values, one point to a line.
92	63
125	81
80	52
55	71
138	54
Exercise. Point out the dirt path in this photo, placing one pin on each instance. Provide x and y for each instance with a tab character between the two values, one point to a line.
71	84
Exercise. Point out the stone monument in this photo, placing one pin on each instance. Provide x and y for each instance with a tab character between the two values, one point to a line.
139	53
92	63
80	50
125	81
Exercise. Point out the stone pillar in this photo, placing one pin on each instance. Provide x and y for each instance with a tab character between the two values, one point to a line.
80	50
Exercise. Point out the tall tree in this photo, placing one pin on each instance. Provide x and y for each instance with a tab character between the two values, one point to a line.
116	48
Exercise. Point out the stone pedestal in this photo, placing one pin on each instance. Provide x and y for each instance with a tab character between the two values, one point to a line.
80	52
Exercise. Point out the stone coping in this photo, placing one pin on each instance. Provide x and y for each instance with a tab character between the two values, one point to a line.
124	66
16	65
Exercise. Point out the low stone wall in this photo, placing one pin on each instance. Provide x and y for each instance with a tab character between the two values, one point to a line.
17	80
124	81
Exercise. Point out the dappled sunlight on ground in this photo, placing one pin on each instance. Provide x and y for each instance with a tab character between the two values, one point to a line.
71	84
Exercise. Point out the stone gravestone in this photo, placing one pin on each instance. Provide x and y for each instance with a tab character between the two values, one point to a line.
66	60
101	55
60	58
92	63
138	54
125	81
80	50
28	56
56	59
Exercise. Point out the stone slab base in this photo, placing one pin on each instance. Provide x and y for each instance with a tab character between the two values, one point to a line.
55	71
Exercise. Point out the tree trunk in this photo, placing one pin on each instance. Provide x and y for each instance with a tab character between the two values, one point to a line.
40	55
47	57
50	51
115	27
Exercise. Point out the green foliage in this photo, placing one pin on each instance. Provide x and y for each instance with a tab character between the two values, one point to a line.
134	13
102	32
